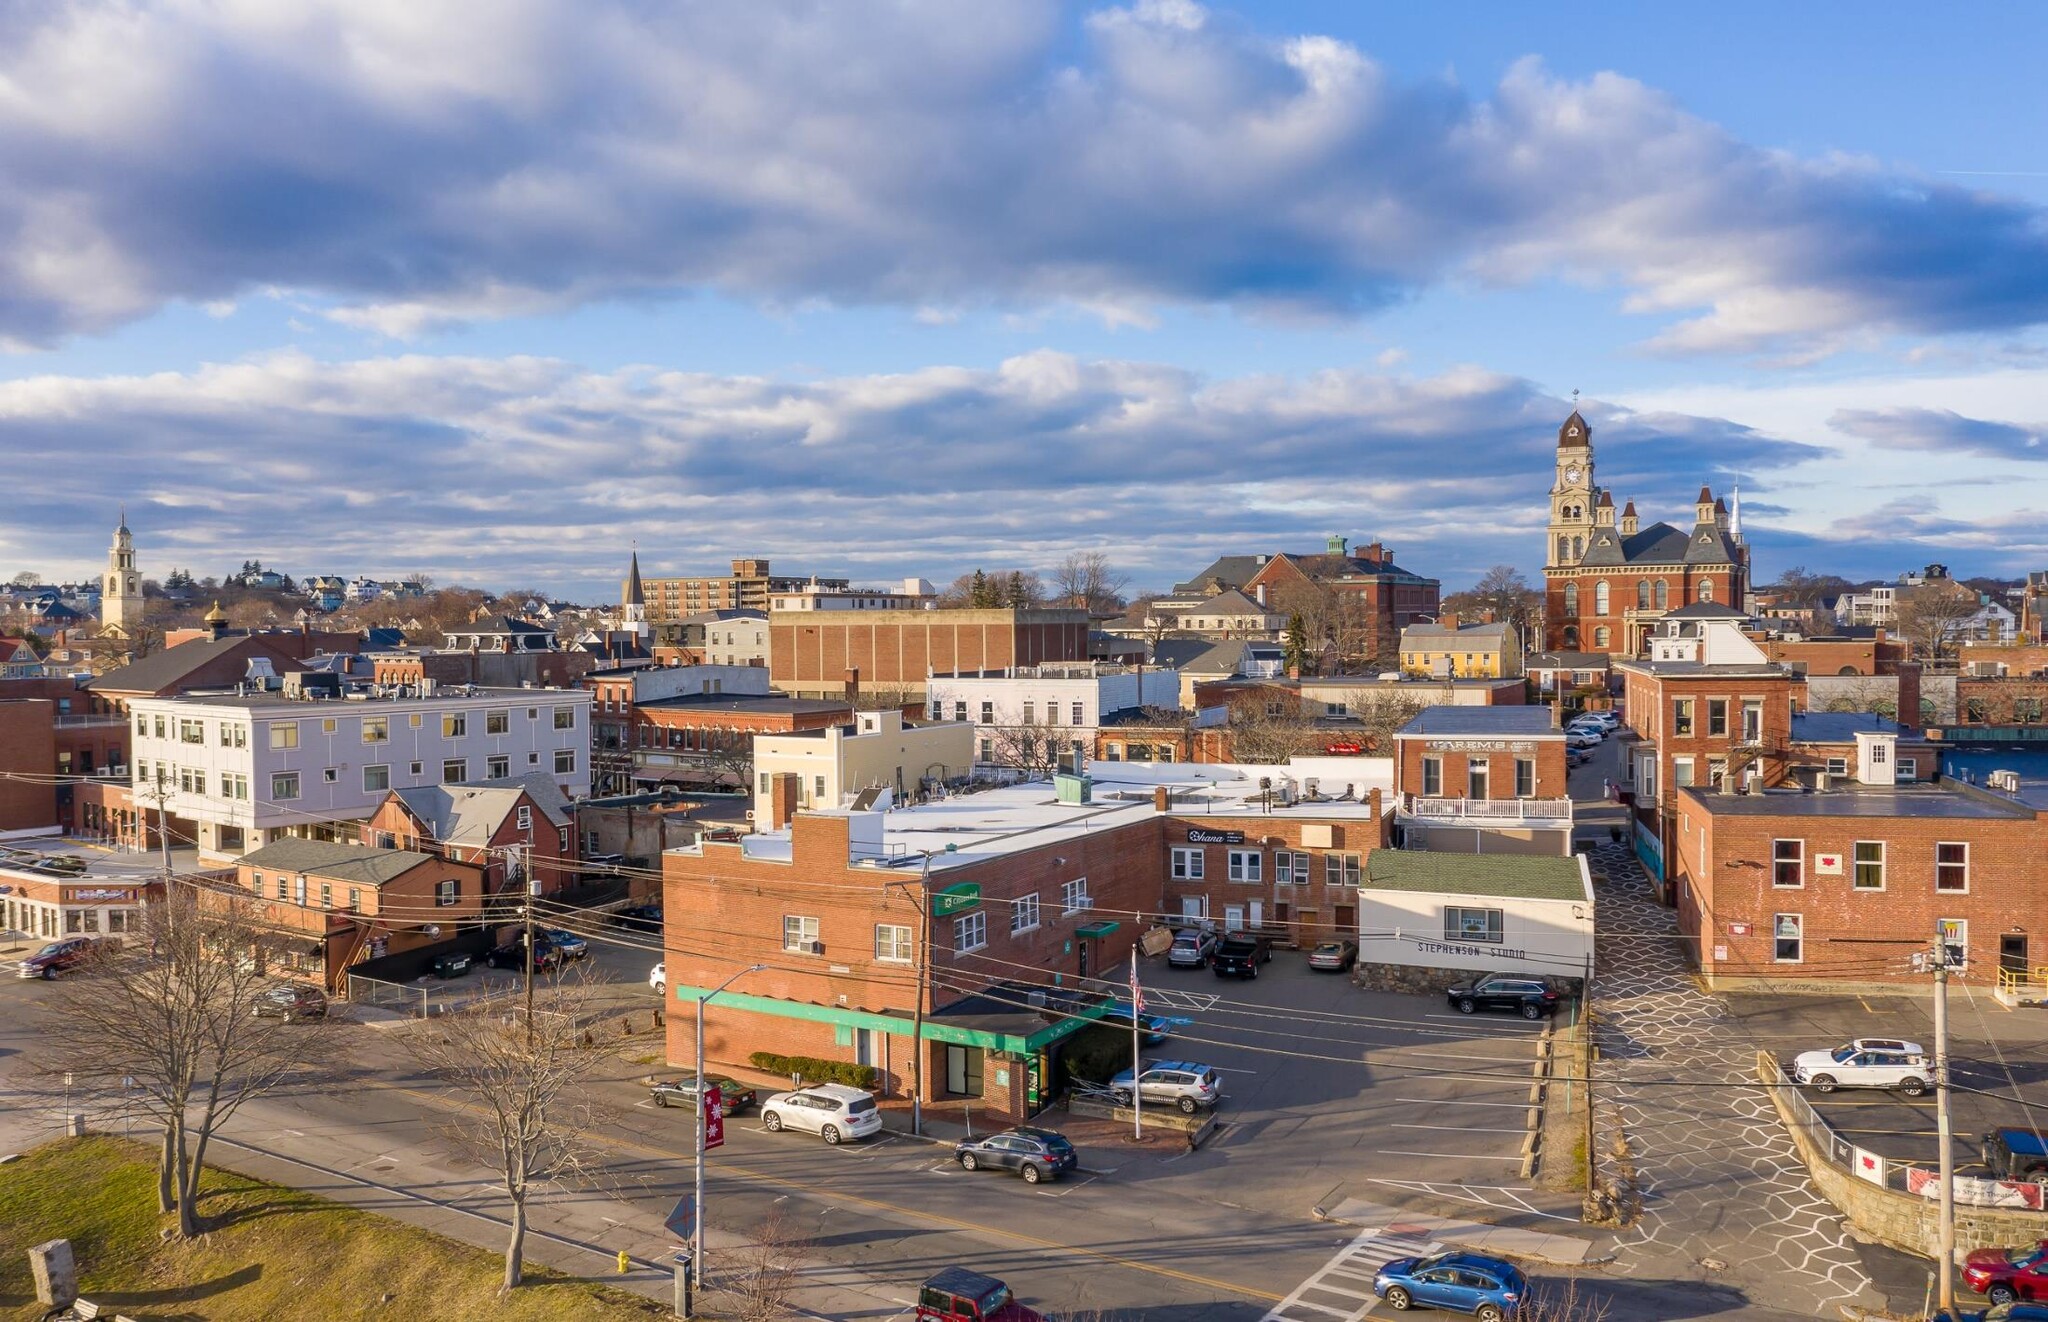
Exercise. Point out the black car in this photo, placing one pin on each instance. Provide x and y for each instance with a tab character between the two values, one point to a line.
1527	994
732	1094
453	964
639	917
1035	1154
571	945
512	955
1239	956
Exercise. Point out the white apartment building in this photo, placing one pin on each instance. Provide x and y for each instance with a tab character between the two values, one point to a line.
724	637
912	594
1029	717
243	770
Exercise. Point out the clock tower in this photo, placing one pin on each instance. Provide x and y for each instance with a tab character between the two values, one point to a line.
121	604
1574	498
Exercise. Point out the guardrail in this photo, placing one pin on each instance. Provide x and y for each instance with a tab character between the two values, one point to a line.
1490	810
2025	986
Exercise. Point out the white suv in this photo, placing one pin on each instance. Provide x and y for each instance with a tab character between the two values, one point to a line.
833	1111
1867	1062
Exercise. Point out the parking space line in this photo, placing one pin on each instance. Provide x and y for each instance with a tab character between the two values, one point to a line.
1511	1025
1432	1101
1455	1156
1464	1129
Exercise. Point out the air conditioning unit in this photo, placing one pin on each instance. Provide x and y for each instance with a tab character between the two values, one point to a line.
814	947
2006	782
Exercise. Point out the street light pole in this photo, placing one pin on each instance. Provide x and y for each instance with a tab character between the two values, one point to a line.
1941	1125
697	1247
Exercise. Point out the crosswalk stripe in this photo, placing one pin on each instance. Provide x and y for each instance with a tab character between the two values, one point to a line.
1357	1263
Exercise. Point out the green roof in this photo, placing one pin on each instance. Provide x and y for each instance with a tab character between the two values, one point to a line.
1511	876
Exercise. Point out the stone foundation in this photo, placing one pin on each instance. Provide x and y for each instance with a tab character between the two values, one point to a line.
1409	979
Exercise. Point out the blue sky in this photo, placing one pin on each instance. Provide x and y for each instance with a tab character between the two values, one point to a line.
887	290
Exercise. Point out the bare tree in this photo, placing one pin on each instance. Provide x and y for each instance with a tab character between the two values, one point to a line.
1085	578
1860	693
1501	592
1933	616
757	1283
1260	733
168	1034
1379	715
520	1062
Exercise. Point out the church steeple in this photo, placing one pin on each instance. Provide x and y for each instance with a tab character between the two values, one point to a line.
1575	433
121	604
1574	498
633	600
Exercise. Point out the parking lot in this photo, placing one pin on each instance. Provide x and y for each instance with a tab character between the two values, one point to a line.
1998	1063
1331	1092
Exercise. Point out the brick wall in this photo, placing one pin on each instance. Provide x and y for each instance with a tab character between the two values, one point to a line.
898	649
28	747
1548	755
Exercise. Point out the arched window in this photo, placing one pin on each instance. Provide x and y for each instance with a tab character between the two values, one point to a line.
1571	637
1578	547
1564	548
1600	597
1600	638
1663	596
1571	599
1706	589
1642	594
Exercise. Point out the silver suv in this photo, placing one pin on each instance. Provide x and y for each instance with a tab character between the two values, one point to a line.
1176	1082
1191	948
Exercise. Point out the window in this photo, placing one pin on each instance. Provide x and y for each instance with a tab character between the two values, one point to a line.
959	710
1952	867
565	718
497	722
565	761
1571	597
1717	717
1077	714
455	725
1600	597
1432	777
1909	768
1663	595
1752	720
1473	924
988	713
1681	717
497	766
355	900
284	890
1787	947
1838	766
1030	713
522	819
234	736
1340	869
256	882
412	720
1276	708
1478	778
1601	635
1706	589
283	734
234	785
1788	862
1525	777
1188	864
1074	895
447	892
1290	867
1642	594
1955	941
326	895
141	725
329	775
1869	866
798	932
376	729
160	729
1245	865
817	787
1024	914
892	943
415	771
454	771
284	785
970	931
191	732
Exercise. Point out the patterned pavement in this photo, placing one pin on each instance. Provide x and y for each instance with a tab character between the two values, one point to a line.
1723	1195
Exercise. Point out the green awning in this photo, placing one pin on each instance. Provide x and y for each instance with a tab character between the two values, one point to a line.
1097	929
935	1030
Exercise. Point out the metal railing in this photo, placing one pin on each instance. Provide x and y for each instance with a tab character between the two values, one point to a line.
90	718
416	1001
2024	984
1490	810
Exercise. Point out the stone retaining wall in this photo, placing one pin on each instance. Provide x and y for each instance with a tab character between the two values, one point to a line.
1408	979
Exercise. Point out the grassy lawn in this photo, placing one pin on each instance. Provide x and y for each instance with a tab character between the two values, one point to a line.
270	1252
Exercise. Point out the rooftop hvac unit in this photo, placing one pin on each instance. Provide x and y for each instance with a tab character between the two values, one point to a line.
2006	782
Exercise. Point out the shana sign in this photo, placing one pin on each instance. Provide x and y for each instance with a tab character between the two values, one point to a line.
1198	836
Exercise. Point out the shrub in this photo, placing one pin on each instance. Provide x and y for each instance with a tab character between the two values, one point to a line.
1097	1053
813	1070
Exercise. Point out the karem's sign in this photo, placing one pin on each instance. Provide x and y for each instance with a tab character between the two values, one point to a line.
1197	836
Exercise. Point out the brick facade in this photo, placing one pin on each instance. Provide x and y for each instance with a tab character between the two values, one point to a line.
28	757
813	653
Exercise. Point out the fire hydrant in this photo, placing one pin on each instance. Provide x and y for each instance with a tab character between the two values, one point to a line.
625	1263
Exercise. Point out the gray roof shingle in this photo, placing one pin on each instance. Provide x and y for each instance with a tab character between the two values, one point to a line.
364	864
1509	876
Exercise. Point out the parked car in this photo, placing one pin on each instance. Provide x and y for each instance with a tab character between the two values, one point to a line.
959	1295
568	943
2002	1275
70	955
1154	1028
1527	994
639	917
1577	757
657	977
1239	955
1334	956
1035	1154
2015	1154
1487	1288
1177	1082
289	1001
2010	1311
452	965
512	955
1866	1063
1191	948
833	1111
733	1096
1587	739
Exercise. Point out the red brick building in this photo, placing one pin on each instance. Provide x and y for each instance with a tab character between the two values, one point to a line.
28	763
83	734
814	654
1363	599
1608	580
512	830
336	905
1486	780
1875	655
1841	886
708	740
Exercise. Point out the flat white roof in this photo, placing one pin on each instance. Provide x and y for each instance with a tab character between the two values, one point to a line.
102	863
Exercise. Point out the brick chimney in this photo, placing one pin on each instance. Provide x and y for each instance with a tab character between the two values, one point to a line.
1162	798
1449	620
1909	694
782	793
853	686
1374	553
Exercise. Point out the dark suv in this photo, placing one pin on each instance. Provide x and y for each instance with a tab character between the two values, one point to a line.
1527	994
1239	955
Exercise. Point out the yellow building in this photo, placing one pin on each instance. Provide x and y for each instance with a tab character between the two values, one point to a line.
1452	650
878	750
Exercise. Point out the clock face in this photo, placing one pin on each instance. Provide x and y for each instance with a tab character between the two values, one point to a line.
1572	474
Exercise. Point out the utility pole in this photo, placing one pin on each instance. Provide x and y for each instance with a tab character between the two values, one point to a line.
923	902
1941	1125
697	1250
1586	1068
1137	1061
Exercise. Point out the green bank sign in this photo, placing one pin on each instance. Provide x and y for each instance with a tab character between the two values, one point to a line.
953	899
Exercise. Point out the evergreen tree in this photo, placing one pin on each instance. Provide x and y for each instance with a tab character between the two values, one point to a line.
1296	645
981	595
1018	593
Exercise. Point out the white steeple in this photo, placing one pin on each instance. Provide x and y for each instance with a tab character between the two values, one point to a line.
121	603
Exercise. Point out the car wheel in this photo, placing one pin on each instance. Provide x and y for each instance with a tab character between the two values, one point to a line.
1032	1174
661	1100
1187	1105
771	1122
1466	1005
967	1162
1123	1097
1488	1313
1913	1087
1824	1082
1532	1012
1397	1299
1254	971
50	973
2001	1294
831	1135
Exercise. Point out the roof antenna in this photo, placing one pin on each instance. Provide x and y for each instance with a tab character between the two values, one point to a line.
1575	400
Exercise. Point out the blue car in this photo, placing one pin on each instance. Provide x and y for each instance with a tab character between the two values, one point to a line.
571	945
1487	1288
1156	1027
2011	1311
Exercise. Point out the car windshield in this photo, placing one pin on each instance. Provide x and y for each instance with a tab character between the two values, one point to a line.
1840	1054
1424	1264
51	949
2024	1257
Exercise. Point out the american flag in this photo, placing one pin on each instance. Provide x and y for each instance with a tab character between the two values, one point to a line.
1137	993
